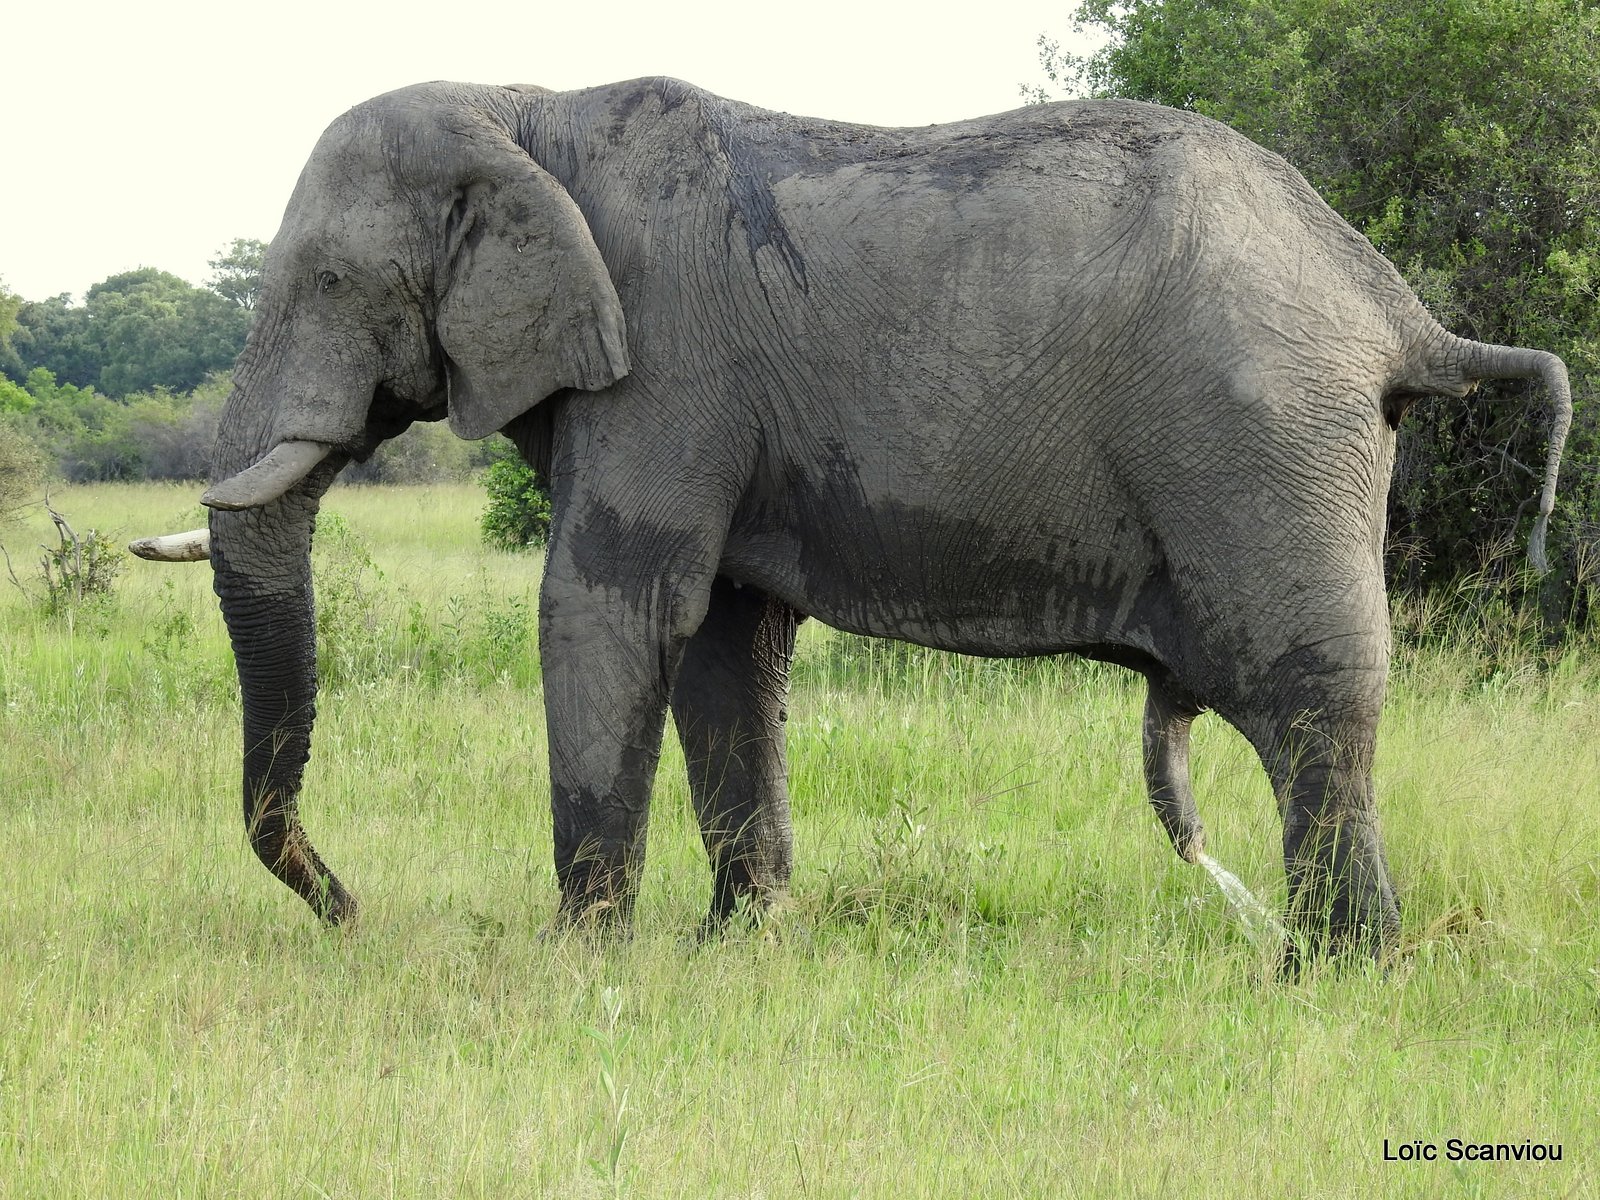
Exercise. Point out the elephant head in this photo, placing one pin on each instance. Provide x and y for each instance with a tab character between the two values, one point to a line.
426	268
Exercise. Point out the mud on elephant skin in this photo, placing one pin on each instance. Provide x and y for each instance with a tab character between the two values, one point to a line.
1098	377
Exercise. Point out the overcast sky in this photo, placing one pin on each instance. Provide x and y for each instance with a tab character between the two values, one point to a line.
154	134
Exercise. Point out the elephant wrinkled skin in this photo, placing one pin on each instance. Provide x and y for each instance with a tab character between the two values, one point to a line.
1097	377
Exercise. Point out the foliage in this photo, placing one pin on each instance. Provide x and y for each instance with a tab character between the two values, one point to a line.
351	620
53	335
237	271
1463	138
518	515
138	330
10	306
369	627
13	398
156	331
130	384
170	436
89	436
614	1121
66	424
425	453
21	466
82	568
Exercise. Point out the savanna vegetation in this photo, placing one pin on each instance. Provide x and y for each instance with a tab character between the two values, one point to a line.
994	977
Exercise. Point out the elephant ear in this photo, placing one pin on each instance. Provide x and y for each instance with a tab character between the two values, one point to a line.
527	307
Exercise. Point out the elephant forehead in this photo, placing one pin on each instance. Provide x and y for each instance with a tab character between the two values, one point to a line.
356	162
346	214
402	139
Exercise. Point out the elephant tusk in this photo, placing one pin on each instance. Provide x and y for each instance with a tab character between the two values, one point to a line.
285	465
174	547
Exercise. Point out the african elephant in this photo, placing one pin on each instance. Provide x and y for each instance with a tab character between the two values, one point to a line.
1098	377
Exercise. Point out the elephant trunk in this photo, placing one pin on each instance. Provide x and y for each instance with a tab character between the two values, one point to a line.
261	560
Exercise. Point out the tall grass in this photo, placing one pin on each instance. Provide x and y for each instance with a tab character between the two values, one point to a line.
993	976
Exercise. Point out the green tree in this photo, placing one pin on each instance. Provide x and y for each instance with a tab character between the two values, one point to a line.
135	331
167	436
15	399
1463	138
76	427
237	271
54	334
21	464
156	331
10	306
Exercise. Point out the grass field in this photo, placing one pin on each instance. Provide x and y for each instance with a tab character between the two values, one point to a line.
994	977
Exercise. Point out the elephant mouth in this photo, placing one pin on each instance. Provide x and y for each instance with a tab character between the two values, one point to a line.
285	465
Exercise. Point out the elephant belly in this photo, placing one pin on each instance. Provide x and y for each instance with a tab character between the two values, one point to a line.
1040	583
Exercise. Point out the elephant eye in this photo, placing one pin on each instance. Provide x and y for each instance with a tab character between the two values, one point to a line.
326	282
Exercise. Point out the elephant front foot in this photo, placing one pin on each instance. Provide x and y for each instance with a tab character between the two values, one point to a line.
596	897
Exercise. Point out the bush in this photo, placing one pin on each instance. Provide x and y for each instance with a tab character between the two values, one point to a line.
83	569
518	515
354	624
21	467
79	573
14	398
172	436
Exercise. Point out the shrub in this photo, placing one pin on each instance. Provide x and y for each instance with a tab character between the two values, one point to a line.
518	515
21	467
354	621
79	573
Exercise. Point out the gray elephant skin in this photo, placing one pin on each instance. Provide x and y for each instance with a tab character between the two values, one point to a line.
1090	377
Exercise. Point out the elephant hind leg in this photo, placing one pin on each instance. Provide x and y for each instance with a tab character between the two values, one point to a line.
1339	883
729	706
1168	715
1319	752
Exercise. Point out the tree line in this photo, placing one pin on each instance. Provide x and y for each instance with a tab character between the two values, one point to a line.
128	384
137	331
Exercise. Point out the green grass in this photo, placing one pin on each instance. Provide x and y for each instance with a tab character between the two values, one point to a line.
993	978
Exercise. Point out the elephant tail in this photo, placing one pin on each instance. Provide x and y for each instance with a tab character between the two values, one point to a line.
1457	371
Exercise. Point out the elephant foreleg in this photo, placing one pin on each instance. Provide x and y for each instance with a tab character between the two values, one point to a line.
1167	719
610	654
729	707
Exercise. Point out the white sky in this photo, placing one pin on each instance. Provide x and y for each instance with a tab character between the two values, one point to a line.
154	134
